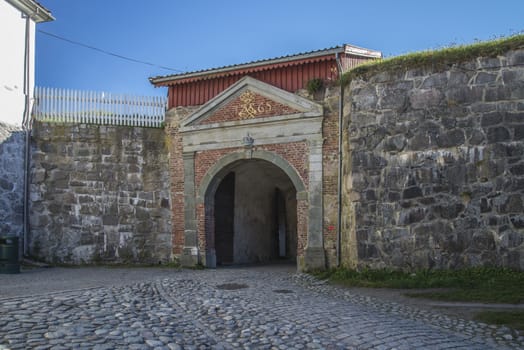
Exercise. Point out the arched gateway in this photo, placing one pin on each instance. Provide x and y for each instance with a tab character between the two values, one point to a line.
251	208
252	178
254	164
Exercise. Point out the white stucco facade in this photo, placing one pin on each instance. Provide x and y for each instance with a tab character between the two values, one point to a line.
13	16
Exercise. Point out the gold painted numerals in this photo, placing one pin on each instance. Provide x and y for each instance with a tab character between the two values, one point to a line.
249	108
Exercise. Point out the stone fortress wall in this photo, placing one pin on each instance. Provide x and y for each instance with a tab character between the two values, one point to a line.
434	165
433	175
12	145
99	194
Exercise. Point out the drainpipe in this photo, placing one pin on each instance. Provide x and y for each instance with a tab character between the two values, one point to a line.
339	182
26	125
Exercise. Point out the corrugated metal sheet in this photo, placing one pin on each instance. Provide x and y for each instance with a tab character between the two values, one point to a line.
290	76
350	61
283	60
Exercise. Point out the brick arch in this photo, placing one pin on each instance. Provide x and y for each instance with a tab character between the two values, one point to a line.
213	176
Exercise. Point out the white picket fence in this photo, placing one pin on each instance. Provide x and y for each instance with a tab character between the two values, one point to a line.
91	107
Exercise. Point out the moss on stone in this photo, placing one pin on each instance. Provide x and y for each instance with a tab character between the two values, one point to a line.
437	59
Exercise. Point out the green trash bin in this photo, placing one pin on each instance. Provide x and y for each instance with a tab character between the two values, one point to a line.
9	255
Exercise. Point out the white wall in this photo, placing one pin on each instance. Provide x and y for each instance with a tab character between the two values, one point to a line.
12	44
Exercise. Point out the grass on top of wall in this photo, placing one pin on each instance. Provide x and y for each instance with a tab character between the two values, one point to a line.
482	284
439	59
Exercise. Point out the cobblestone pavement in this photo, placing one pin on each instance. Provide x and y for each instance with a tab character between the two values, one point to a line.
255	308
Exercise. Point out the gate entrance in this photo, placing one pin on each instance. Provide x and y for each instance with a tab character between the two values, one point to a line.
252	178
255	218
224	220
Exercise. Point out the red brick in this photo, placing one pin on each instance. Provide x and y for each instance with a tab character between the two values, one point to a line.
239	109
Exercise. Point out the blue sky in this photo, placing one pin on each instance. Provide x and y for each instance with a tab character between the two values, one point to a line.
196	34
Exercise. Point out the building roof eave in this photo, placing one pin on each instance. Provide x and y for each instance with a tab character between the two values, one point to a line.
360	51
174	79
33	9
164	80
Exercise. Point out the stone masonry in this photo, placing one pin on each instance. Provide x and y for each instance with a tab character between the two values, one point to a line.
12	144
434	166
100	194
433	173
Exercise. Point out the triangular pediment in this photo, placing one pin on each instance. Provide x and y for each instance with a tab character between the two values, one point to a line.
250	101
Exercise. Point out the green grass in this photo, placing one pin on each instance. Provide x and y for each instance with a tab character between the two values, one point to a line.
513	319
437	59
484	284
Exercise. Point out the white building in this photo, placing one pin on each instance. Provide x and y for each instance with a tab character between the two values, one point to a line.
18	20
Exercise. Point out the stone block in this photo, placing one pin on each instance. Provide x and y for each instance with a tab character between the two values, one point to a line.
490	119
314	259
85	199
436	80
511	204
448	210
455	174
517	91
511	239
412	192
452	138
425	98
464	94
515	58
422	140
394	143
411	216
110	220
512	76
458	78
393	99
38	176
518	221
368	160
144	227
142	213
367	251
365	98
190	258
485	205
475	137
393	196
485	78
146	196
518	132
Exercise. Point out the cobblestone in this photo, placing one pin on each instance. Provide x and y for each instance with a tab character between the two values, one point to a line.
186	310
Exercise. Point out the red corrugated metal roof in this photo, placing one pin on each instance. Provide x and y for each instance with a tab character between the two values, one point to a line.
261	65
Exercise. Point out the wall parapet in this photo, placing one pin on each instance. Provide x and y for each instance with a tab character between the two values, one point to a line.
436	60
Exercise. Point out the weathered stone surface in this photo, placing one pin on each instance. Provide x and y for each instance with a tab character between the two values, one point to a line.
12	145
99	193
421	99
448	172
269	308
